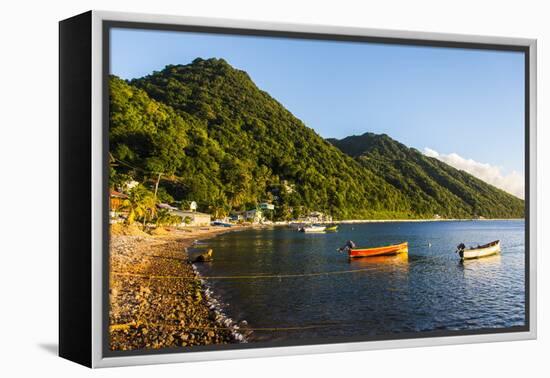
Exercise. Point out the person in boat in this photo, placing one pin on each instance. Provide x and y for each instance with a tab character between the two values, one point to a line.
349	245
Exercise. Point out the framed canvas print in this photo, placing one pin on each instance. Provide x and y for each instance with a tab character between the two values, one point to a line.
234	189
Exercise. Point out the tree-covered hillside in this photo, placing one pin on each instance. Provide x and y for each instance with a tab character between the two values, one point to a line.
205	132
431	185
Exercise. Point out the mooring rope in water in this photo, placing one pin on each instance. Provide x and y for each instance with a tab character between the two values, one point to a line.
243	277
126	326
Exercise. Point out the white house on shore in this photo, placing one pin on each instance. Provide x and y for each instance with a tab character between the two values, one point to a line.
254	216
266	206
236	217
194	218
317	216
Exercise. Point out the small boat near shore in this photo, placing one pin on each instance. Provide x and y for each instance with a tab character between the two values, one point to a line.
313	229
484	250
220	223
379	251
297	225
331	228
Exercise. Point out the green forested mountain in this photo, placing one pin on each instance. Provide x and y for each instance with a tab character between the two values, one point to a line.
213	137
432	186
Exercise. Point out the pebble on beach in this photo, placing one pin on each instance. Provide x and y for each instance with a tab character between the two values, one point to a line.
157	299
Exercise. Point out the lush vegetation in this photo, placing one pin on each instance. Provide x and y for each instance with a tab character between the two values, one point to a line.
432	186
205	132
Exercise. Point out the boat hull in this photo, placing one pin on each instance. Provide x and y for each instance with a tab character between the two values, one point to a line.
313	229
379	251
483	251
309	231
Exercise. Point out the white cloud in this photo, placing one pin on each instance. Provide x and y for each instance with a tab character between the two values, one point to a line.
512	183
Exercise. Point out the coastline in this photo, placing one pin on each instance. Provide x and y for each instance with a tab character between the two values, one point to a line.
352	221
159	299
157	296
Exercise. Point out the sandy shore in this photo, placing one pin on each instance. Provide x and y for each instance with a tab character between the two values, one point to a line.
156	297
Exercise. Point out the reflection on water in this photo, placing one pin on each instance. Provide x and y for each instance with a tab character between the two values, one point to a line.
426	289
485	264
389	263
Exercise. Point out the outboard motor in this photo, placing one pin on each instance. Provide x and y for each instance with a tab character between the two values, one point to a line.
349	245
460	248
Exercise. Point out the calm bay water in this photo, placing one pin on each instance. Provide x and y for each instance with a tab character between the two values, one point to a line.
430	289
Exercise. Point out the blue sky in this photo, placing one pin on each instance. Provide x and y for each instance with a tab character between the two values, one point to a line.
467	102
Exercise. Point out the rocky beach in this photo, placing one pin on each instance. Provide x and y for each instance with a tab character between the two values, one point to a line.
157	299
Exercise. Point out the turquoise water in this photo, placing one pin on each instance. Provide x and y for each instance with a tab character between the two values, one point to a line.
428	290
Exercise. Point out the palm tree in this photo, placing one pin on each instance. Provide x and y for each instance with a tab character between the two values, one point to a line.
164	218
141	205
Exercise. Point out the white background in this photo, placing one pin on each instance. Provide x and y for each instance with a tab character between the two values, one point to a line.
29	190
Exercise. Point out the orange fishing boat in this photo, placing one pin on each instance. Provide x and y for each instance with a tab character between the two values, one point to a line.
379	251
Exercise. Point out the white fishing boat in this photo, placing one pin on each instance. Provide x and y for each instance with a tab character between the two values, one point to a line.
484	250
297	225
313	229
